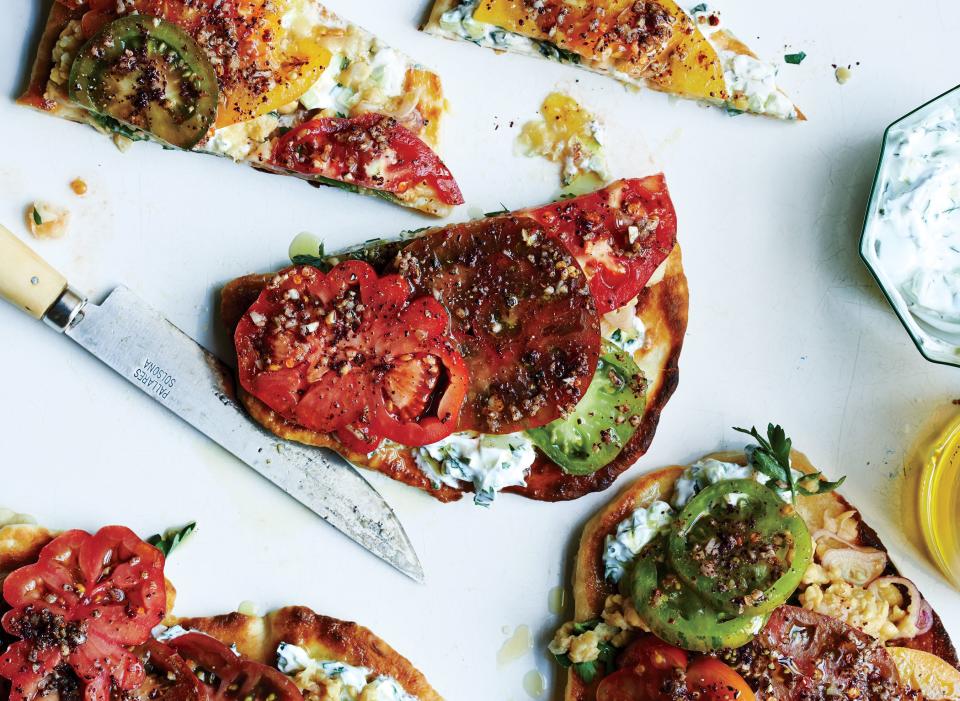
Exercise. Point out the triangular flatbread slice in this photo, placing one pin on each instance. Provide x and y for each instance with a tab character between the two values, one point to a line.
302	92
656	44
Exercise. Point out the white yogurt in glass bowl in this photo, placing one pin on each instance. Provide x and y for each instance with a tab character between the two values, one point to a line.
911	234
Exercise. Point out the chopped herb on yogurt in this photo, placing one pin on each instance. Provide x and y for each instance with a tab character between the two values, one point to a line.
490	463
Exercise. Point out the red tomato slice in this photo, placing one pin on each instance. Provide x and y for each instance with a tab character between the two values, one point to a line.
709	679
620	235
168	677
521	311
86	599
650	656
372	151
350	353
649	670
231	677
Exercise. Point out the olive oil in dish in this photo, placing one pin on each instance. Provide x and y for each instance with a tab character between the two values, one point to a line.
937	502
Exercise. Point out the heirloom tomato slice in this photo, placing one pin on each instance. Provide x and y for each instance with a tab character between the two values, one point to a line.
230	677
261	64
371	151
352	353
620	235
168	676
522	313
82	605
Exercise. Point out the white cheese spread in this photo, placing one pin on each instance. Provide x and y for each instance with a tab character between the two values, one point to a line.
489	463
917	229
318	678
634	532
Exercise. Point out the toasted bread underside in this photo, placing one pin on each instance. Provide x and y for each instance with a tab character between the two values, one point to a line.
662	308
591	589
324	638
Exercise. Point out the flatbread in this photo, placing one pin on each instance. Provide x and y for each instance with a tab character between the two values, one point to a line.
323	638
591	589
256	637
663	309
420	106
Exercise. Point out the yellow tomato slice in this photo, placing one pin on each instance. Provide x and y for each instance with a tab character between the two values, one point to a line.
290	63
587	28
684	63
689	66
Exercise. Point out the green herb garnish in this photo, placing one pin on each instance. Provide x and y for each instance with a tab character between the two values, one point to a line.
771	456
500	212
702	7
171	538
554	52
37	219
796	59
110	124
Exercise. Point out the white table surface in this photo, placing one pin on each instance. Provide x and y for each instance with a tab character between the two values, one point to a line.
785	323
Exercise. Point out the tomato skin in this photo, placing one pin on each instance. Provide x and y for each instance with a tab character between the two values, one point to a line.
320	349
709	679
612	234
343	149
94	595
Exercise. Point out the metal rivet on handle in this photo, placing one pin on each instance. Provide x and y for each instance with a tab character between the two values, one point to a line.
34	280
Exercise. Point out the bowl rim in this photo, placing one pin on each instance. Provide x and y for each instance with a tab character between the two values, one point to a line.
917	334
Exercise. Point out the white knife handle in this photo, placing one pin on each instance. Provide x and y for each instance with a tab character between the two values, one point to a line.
27	281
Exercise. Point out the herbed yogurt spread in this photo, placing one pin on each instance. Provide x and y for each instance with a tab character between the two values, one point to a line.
916	231
352	683
645	523
490	463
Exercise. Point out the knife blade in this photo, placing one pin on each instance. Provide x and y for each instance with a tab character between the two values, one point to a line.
163	362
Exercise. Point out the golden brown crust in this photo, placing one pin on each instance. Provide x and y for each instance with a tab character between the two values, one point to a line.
591	589
321	636
20	544
661	307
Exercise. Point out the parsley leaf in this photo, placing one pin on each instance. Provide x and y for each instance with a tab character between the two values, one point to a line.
796	59
771	456
37	219
696	9
171	538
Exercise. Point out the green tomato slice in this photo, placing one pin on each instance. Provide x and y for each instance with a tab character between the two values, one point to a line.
150	75
603	422
677	614
740	547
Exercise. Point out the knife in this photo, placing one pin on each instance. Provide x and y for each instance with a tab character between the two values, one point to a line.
137	342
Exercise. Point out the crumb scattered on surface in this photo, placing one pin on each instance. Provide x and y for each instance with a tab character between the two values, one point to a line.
79	187
47	221
842	74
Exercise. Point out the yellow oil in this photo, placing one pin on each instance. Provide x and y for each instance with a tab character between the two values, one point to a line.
557	600
516	646
938	499
534	683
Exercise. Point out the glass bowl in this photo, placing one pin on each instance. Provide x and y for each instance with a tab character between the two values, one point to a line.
936	345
